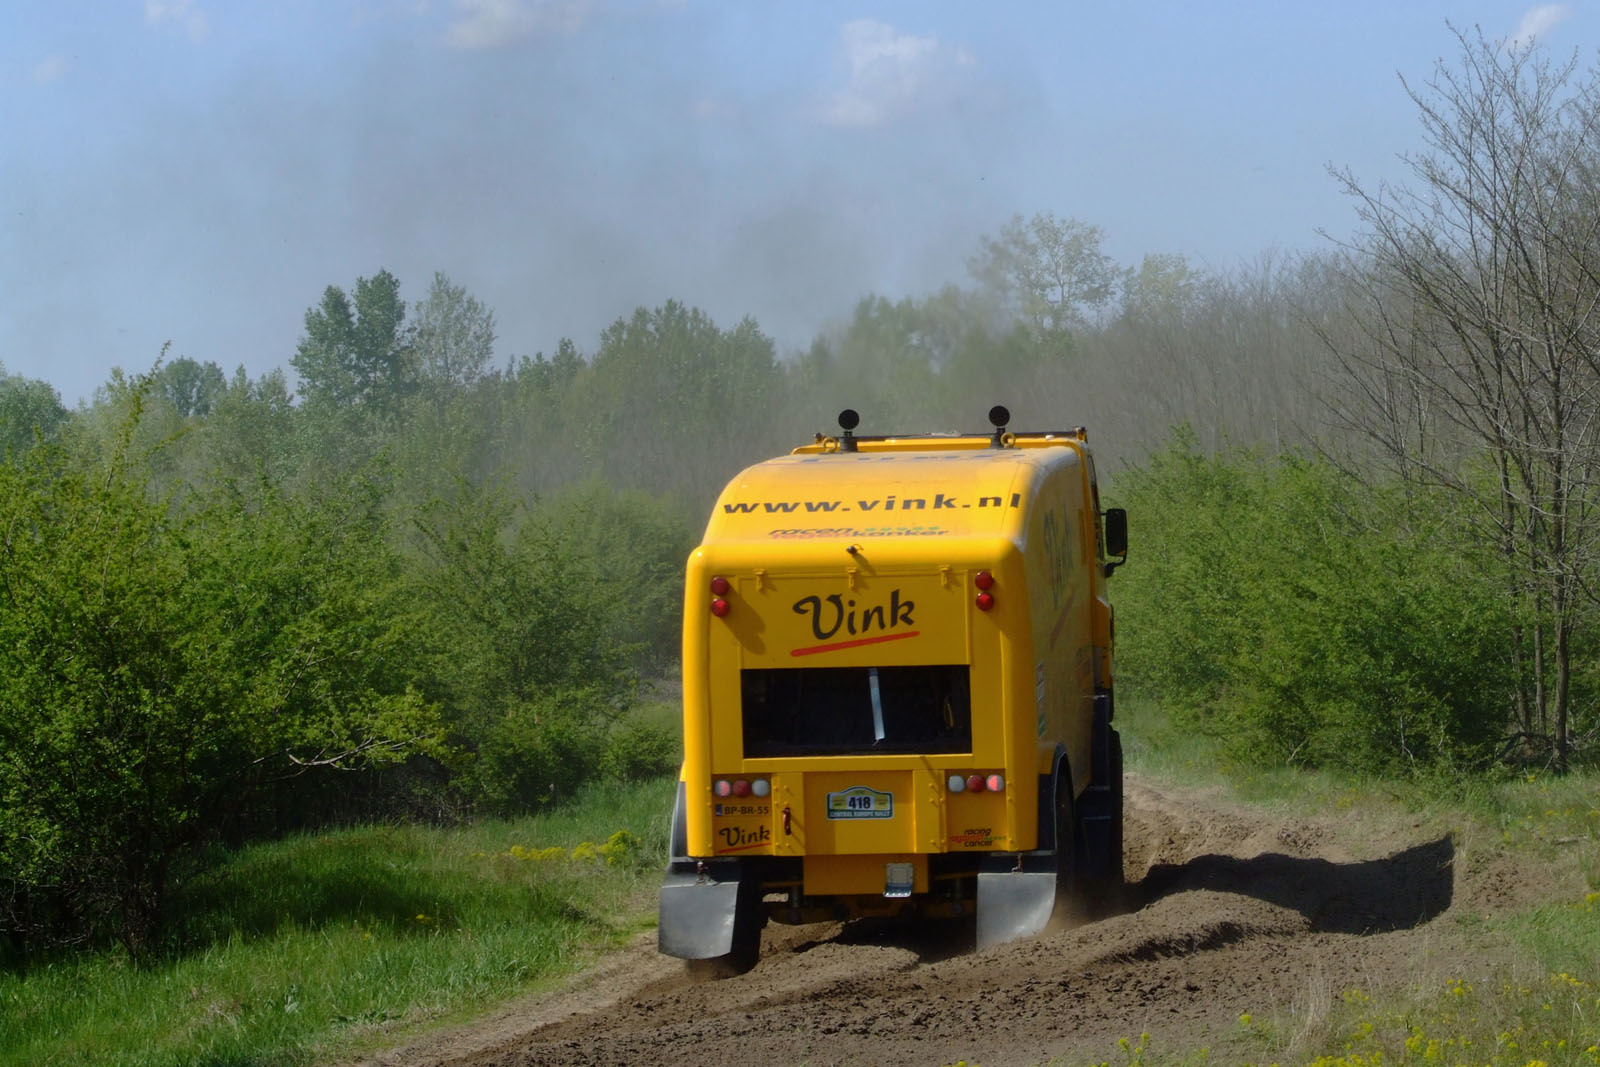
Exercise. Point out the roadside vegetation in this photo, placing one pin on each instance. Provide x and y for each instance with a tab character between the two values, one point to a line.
1308	619
325	706
309	948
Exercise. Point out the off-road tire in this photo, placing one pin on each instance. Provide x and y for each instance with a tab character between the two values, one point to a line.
1069	871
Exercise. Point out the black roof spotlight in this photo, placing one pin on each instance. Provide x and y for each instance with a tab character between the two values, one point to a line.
999	416
848	420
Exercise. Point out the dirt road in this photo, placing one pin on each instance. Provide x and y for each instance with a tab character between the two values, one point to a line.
1227	913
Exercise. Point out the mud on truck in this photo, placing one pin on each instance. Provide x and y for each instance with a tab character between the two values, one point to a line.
897	691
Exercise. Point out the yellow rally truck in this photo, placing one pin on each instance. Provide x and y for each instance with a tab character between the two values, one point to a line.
897	690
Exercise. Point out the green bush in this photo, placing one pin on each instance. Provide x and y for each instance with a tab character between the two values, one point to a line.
539	619
638	751
1309	619
539	752
163	666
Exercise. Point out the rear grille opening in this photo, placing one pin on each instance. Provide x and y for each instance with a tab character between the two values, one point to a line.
841	711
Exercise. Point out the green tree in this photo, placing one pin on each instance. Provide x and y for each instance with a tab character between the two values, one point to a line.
192	388
30	410
356	355
453	335
249	433
1161	286
1051	272
1477	288
882	363
546	441
452	425
665	394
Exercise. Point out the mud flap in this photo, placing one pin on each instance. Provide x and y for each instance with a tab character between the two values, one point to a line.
1016	895
698	910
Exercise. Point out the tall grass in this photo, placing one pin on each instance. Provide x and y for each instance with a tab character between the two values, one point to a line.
290	951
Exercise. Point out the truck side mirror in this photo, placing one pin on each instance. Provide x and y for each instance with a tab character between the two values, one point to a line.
1116	538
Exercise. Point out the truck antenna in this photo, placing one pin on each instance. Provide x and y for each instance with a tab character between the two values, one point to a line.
848	420
999	415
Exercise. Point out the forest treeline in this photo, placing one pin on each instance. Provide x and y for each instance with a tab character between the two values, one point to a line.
423	578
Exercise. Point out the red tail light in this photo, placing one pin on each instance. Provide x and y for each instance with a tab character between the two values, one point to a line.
720	586
719	607
983	580
976	783
985	601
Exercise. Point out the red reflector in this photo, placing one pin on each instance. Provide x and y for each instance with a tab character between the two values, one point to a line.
741	788
719	607
976	784
983	579
720	585
985	601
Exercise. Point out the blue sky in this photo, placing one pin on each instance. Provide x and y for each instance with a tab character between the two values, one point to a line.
198	171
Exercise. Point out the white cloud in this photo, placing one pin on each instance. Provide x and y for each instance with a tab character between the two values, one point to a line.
180	13
49	70
497	23
889	71
1537	21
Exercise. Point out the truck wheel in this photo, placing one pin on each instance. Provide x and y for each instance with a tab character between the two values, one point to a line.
1069	881
1100	827
1114	857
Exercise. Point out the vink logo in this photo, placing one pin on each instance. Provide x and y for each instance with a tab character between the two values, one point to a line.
829	615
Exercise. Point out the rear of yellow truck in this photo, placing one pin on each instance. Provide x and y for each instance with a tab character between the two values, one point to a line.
897	691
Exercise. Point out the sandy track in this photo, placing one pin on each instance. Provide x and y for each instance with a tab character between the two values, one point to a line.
1225	913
